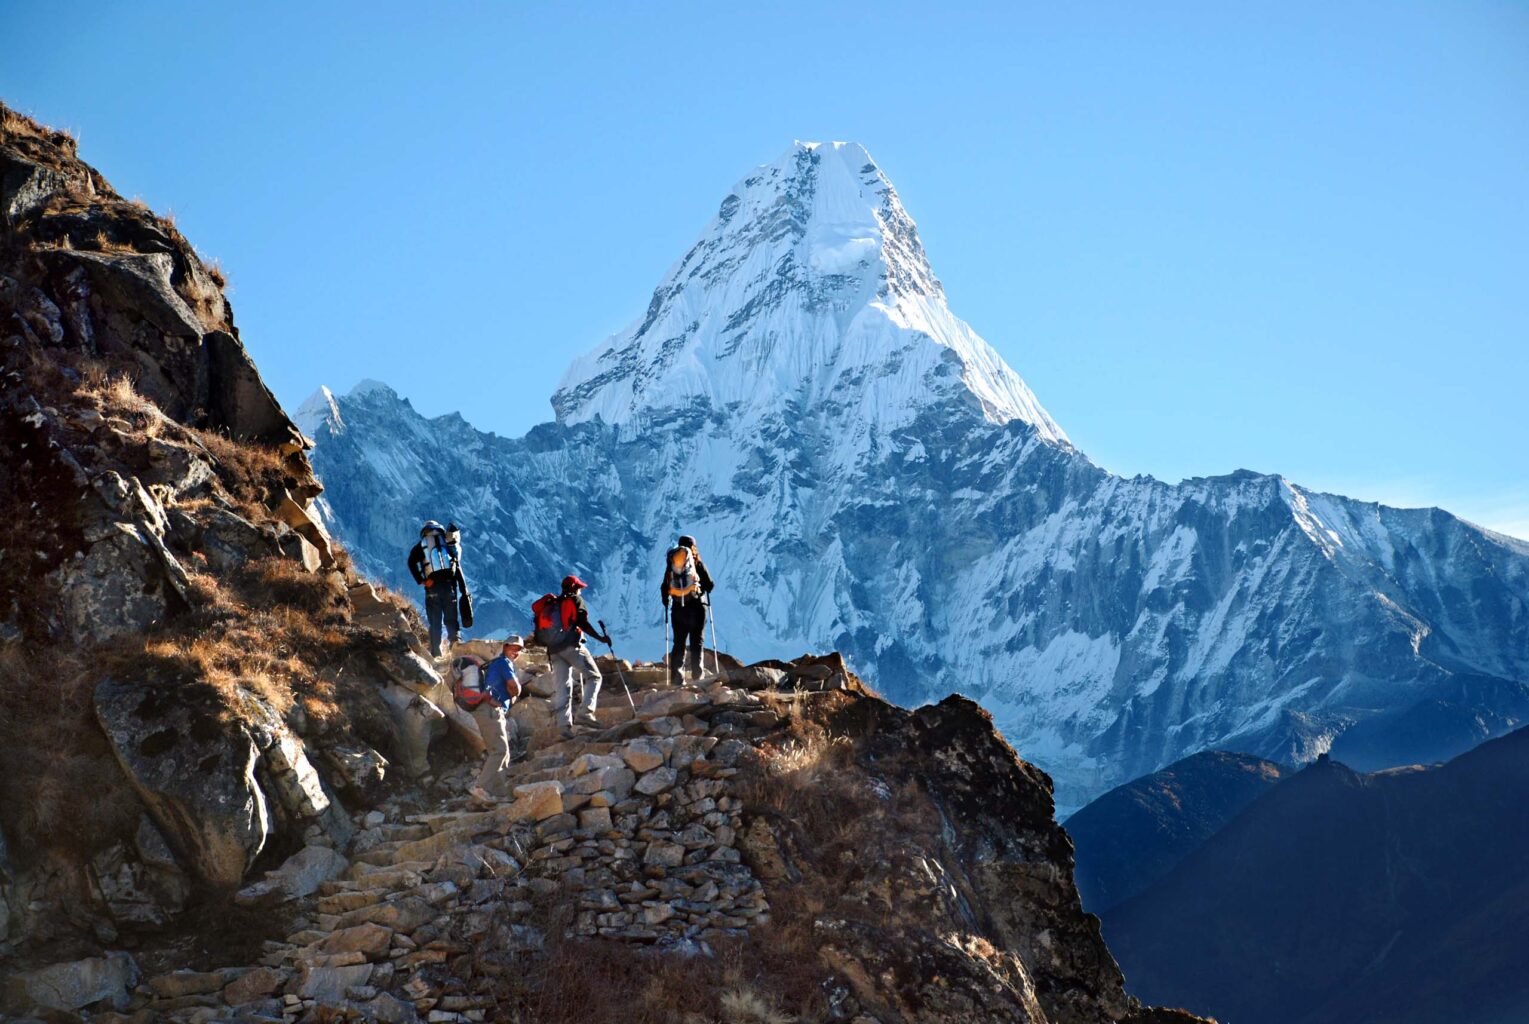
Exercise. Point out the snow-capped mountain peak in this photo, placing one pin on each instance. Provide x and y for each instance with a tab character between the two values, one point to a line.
319	409
809	289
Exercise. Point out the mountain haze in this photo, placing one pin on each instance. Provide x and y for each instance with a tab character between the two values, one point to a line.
865	473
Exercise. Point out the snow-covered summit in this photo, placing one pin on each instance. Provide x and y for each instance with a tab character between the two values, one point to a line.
808	290
319	409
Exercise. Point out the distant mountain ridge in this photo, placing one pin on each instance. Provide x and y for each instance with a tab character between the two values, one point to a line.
1134	834
864	473
1398	896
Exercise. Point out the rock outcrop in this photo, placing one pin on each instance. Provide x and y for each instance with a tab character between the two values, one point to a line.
177	631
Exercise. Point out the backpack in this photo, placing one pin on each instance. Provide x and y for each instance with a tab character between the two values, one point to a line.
684	580
554	619
467	682
441	545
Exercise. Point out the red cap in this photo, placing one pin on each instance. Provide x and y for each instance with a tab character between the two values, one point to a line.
573	581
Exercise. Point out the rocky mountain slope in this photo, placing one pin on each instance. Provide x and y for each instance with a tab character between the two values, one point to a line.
1397	896
864	473
1134	834
231	787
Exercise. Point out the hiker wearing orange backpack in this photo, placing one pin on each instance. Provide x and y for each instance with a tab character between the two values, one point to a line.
561	622
686	584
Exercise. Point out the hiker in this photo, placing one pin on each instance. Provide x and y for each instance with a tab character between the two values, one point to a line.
486	692
686	583
561	623
436	564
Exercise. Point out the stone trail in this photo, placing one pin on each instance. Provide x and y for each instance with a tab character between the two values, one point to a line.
631	833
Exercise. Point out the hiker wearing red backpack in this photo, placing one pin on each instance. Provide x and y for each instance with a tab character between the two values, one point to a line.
561	622
686	584
486	692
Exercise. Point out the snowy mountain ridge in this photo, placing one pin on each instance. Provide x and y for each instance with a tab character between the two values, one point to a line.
865	474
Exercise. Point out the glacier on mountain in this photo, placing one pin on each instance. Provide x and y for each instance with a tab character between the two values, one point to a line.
865	473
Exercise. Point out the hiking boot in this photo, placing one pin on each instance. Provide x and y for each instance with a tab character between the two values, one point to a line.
589	721
566	731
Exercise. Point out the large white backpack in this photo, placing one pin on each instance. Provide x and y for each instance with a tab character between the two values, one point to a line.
441	545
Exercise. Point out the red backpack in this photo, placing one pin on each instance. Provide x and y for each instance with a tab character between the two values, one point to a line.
554	618
467	682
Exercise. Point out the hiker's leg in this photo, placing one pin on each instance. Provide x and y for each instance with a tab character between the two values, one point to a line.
449	606
677	653
585	662
496	743
511	736
698	640
562	687
433	612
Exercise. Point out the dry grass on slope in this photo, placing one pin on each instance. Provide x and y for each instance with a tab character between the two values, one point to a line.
265	635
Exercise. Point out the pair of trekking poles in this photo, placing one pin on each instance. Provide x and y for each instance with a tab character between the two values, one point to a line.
716	660
711	618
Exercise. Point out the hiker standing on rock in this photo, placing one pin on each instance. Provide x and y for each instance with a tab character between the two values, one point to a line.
486	692
436	564
686	584
561	622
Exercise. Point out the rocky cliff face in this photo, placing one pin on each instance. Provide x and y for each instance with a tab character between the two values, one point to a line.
231	787
864	473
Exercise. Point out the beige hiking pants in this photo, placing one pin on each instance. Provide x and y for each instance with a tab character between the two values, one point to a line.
566	664
498	730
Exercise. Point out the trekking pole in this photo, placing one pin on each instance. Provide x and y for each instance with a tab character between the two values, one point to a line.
716	657
617	660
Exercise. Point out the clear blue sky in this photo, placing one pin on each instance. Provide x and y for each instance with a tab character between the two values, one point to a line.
1292	237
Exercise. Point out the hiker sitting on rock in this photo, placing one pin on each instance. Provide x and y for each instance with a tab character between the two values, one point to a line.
561	622
436	564
686	584
486	692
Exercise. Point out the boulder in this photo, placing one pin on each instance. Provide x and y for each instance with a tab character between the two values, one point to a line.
537	801
72	986
293	776
328	984
229	540
300	875
307	526
256	984
360	771
657	781
194	772
417	720
642	755
187	983
413	672
140	882
117	587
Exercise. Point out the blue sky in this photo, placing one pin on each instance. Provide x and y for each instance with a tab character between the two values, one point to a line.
1292	237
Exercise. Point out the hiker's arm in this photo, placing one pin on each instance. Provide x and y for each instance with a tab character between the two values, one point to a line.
594	631
417	563
663	587
705	576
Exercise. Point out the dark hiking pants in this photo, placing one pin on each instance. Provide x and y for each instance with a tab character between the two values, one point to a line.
441	603
688	618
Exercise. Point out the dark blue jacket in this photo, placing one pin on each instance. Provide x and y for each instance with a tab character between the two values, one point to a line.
500	681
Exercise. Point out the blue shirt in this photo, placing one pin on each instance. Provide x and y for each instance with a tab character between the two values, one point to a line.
497	677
